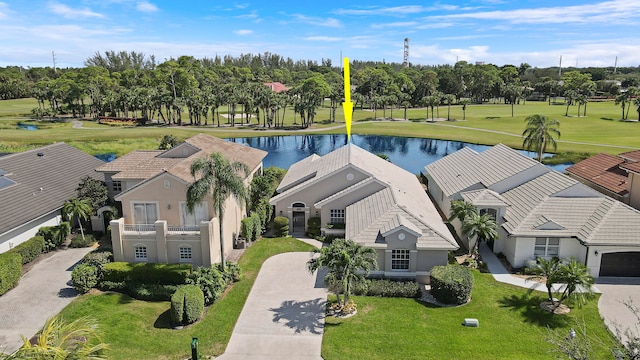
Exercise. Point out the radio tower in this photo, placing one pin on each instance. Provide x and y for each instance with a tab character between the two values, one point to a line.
406	52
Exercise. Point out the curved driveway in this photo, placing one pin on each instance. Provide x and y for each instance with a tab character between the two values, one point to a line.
283	317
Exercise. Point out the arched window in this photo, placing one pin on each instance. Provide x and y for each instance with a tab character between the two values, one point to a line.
492	212
298	205
185	253
140	253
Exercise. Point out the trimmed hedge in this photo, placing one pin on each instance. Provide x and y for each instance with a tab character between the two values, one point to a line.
84	277
451	284
98	258
30	249
164	274
77	241
313	226
388	288
150	292
10	271
281	226
187	305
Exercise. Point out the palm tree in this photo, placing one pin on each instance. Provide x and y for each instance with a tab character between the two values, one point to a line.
464	103
636	103
347	262
59	340
480	227
547	270
216	176
540	132
577	282
79	210
449	99
461	209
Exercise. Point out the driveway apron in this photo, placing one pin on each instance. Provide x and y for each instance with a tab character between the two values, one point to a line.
41	294
283	317
615	292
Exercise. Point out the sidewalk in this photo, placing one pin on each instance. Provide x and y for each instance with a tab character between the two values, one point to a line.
501	274
42	293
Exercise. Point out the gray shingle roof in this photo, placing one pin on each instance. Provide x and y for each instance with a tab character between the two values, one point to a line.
402	198
58	173
484	197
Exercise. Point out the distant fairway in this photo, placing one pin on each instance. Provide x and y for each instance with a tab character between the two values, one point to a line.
599	131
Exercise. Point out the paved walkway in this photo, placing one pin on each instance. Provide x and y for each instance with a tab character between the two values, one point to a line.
42	293
616	291
283	317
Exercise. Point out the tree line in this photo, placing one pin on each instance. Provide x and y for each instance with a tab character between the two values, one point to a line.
133	85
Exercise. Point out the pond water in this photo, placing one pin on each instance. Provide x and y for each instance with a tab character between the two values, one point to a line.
27	126
411	154
107	157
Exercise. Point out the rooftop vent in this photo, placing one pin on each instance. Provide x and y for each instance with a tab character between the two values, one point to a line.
40	154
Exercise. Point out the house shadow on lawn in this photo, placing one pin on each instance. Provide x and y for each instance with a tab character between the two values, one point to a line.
301	316
529	308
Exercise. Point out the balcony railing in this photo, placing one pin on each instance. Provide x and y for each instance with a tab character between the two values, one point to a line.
183	228
139	227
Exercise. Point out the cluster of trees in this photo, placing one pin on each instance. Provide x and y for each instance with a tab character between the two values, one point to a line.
131	84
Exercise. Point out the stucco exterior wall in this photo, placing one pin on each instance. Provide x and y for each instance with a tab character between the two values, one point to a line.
634	190
26	231
523	249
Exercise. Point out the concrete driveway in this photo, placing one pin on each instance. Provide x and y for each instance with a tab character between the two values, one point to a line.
615	291
283	317
41	294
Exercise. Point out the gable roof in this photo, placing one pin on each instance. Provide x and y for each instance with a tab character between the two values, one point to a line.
603	170
401	198
44	179
631	156
276	86
146	165
466	167
553	204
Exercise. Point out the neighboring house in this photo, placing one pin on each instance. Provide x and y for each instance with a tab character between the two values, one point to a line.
540	212
276	87
152	186
615	176
369	200
35	184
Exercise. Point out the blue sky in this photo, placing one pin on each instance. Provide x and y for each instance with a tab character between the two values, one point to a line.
589	33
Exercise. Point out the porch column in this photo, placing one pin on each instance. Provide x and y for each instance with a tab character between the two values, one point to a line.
117	230
161	240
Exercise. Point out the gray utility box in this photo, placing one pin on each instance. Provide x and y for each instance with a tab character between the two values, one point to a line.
471	322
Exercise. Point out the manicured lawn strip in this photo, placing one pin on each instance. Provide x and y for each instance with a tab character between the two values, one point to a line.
512	326
600	126
140	330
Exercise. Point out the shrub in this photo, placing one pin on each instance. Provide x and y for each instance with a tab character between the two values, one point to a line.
119	286
165	274
10	271
210	280
247	228
77	241
54	236
30	249
84	277
257	226
98	258
313	226
150	292
232	273
387	288
451	284
281	226
187	304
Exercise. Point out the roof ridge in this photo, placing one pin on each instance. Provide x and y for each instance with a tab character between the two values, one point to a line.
614	204
38	149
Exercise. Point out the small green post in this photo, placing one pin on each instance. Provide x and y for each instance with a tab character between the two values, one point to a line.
194	349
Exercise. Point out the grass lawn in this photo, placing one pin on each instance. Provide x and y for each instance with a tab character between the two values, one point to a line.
140	330
599	131
512	326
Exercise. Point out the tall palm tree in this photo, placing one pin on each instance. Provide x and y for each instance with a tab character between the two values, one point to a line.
540	132
77	209
481	227
461	209
347	262
59	340
464	103
218	177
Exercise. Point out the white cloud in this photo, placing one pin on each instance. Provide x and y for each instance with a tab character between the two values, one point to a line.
324	38
317	21
243	32
395	24
147	7
3	10
70	13
252	15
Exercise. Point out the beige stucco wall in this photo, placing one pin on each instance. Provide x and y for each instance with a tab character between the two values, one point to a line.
522	248
634	190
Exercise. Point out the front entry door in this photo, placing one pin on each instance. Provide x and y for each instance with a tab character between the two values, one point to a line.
298	222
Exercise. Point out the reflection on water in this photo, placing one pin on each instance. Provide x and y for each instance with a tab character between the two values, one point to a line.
411	154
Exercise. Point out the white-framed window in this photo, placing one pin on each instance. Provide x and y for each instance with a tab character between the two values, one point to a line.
336	216
400	260
185	254
199	214
145	213
547	247
140	252
491	212
117	186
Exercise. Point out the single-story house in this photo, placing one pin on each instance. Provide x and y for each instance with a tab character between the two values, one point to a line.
540	212
615	176
152	186
371	201
35	184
